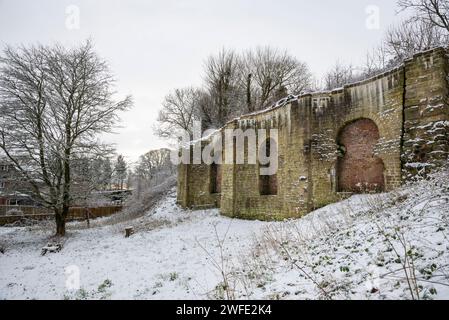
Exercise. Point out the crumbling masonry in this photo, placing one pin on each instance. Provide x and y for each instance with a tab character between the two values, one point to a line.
368	136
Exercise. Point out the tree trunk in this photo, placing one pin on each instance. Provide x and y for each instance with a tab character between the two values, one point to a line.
88	217
248	93
60	224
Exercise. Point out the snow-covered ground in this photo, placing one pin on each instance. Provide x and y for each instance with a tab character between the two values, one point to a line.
165	259
389	246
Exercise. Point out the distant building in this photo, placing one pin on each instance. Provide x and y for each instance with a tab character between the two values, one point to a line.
13	191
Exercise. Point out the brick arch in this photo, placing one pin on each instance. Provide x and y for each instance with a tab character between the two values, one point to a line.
358	168
350	118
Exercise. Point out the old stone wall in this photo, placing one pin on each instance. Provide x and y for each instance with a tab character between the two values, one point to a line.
366	136
426	112
195	189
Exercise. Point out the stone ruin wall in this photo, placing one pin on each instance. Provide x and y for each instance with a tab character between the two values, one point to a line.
408	107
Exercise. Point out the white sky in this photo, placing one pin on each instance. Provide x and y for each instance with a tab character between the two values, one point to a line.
155	46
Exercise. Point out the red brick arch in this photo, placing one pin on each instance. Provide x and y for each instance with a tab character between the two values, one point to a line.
358	168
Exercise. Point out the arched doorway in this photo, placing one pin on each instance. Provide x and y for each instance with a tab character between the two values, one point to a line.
358	169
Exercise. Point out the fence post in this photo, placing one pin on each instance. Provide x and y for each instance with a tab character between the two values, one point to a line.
87	217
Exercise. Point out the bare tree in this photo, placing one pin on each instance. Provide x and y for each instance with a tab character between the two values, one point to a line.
222	77
233	85
269	71
153	163
338	76
205	110
179	110
410	37
120	171
87	177
401	42
376	60
54	103
106	173
434	12
152	169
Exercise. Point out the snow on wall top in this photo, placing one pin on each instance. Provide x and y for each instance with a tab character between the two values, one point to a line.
294	98
377	76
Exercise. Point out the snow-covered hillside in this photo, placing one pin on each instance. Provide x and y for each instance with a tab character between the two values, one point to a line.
389	246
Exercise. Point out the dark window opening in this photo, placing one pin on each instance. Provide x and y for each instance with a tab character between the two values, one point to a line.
215	178
268	184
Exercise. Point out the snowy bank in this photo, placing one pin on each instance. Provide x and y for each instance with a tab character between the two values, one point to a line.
387	246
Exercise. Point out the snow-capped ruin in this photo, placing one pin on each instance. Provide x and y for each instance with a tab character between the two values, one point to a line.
369	136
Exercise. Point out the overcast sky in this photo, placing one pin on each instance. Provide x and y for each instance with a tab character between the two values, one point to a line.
155	46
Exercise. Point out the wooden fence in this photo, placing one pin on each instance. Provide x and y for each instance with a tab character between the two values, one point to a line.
81	213
8	210
10	214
